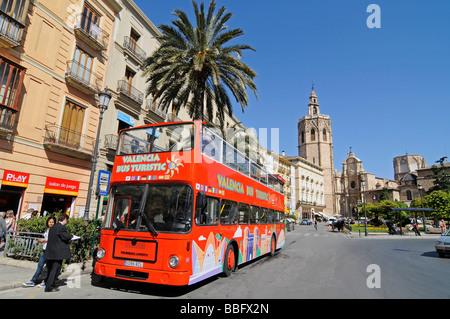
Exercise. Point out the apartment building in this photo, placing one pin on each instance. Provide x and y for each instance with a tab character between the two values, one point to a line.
53	63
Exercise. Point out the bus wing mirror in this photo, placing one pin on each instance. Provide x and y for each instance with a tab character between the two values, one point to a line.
201	200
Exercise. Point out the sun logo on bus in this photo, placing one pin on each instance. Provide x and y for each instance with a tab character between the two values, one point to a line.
172	166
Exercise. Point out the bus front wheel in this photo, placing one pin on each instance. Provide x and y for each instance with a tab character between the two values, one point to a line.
230	261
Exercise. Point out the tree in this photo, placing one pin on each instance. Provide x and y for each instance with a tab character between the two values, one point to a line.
441	176
195	67
440	202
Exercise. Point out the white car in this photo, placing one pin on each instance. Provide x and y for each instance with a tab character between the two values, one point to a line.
442	244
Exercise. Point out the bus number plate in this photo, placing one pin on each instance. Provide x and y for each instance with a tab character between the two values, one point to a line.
133	263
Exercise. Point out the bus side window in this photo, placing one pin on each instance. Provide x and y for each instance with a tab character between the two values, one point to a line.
210	215
243	214
228	212
264	215
254	215
281	218
270	217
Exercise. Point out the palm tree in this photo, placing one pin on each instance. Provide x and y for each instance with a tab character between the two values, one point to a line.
194	67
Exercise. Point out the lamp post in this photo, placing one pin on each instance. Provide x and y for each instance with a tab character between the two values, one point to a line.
363	183
103	101
420	188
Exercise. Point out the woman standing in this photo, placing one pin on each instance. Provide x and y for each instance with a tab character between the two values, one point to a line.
10	220
50	222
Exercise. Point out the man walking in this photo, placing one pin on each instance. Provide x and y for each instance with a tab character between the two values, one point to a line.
58	249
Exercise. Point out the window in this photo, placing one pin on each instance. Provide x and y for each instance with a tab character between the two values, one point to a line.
228	212
72	124
90	19
408	195
324	133
303	137
243	214
82	66
254	215
210	215
313	135
264	215
134	38
16	9
129	76
11	77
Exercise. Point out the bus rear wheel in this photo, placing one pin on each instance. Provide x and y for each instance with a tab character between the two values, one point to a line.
230	261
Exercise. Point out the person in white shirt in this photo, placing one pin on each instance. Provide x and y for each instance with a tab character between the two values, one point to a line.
50	222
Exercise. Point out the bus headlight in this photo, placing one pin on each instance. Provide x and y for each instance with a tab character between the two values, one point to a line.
173	261
100	253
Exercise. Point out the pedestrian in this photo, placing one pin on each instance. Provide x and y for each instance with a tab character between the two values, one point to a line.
50	222
3	229
444	228
58	249
416	229
31	213
315	224
10	220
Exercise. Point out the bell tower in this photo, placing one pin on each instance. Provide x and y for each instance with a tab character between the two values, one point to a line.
315	144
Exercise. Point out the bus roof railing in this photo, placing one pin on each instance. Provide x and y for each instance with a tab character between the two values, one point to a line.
229	155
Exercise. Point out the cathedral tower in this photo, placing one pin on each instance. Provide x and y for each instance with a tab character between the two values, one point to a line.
315	144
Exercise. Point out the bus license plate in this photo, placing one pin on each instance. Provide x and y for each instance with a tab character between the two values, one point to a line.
133	263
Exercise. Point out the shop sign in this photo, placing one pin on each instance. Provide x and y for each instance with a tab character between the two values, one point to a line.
18	179
61	186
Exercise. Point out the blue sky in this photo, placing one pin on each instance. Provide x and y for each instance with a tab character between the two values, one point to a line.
386	90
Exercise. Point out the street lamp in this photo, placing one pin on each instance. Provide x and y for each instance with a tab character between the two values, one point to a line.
363	183
103	102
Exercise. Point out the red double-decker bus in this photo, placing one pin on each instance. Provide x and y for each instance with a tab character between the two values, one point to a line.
185	205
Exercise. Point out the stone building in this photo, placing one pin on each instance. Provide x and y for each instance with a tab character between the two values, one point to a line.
53	61
315	143
355	186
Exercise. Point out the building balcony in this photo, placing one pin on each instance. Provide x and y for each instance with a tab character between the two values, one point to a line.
11	31
7	117
134	50
111	141
91	33
64	141
125	89
154	110
82	78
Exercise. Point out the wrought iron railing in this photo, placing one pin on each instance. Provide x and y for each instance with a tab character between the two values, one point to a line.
132	46
11	28
111	141
130	91
83	75
72	140
7	117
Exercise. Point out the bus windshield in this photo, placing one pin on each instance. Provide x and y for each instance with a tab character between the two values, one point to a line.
165	138
167	207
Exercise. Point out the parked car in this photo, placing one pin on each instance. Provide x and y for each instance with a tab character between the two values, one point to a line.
442	244
306	222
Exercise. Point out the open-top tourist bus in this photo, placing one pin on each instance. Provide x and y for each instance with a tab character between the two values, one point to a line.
185	205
